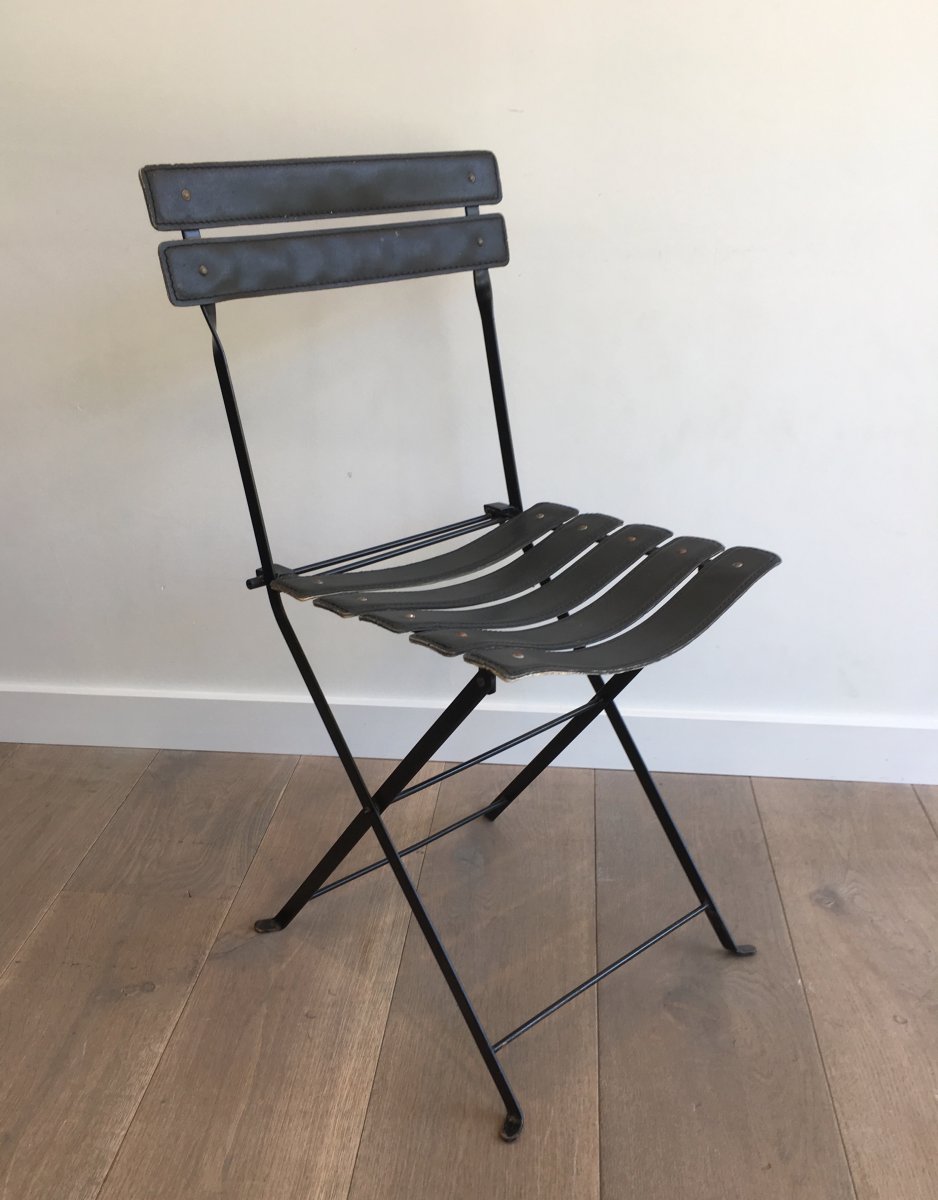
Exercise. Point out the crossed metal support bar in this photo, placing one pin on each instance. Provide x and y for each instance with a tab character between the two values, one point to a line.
398	785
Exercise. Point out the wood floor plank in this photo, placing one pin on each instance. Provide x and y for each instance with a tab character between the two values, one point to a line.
514	903
84	1013
90	1000
6	751
180	837
54	802
857	865
263	1088
711	1086
928	794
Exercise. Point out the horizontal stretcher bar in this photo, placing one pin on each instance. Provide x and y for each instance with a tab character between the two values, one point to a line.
589	706
433	837
600	975
470	762
404	545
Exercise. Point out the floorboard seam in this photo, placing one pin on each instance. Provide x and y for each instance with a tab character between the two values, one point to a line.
599	1063
804	992
387	1019
42	916
195	980
918	796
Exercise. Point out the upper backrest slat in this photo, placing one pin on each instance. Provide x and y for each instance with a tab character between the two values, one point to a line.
202	195
207	270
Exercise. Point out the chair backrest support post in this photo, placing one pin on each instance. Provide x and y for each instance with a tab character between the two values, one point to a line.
483	289
192	197
240	446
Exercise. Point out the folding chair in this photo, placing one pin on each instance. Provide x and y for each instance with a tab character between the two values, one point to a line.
542	589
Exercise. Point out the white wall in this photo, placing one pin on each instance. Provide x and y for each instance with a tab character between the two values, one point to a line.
720	316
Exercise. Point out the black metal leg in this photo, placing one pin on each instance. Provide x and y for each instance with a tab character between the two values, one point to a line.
514	1119
482	684
557	744
666	821
395	787
337	852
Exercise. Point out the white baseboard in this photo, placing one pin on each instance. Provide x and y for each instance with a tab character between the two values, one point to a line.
706	743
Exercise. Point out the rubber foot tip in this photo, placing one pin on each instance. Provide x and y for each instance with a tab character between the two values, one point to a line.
511	1130
745	951
267	925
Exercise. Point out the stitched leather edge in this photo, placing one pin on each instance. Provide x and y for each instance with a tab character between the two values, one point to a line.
690	635
493	197
182	301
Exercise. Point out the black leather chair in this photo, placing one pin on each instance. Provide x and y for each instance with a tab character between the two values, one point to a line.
538	598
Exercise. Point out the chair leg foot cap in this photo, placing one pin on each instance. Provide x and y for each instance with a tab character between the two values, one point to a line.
511	1130
744	951
267	925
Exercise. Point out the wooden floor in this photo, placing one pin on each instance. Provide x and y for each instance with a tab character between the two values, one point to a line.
152	1047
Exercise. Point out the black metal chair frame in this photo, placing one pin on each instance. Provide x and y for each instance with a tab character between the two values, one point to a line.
203	272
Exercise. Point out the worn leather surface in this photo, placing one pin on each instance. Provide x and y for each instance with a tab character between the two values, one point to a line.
584	597
616	609
497	544
203	195
521	574
716	586
568	589
204	271
516	618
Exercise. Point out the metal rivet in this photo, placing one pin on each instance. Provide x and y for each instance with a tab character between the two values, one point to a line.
410	616
480	241
517	654
539	516
462	633
203	269
682	549
737	564
362	599
472	176
582	527
186	194
632	537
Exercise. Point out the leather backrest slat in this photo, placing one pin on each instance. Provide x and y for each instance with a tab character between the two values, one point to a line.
202	195
204	271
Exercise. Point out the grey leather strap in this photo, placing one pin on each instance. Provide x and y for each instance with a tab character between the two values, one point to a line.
615	610
207	195
500	543
205	271
519	575
684	617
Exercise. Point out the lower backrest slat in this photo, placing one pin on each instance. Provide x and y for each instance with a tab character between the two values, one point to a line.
215	269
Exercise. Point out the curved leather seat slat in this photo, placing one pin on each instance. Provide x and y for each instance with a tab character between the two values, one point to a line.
574	586
519	575
613	612
507	539
686	615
